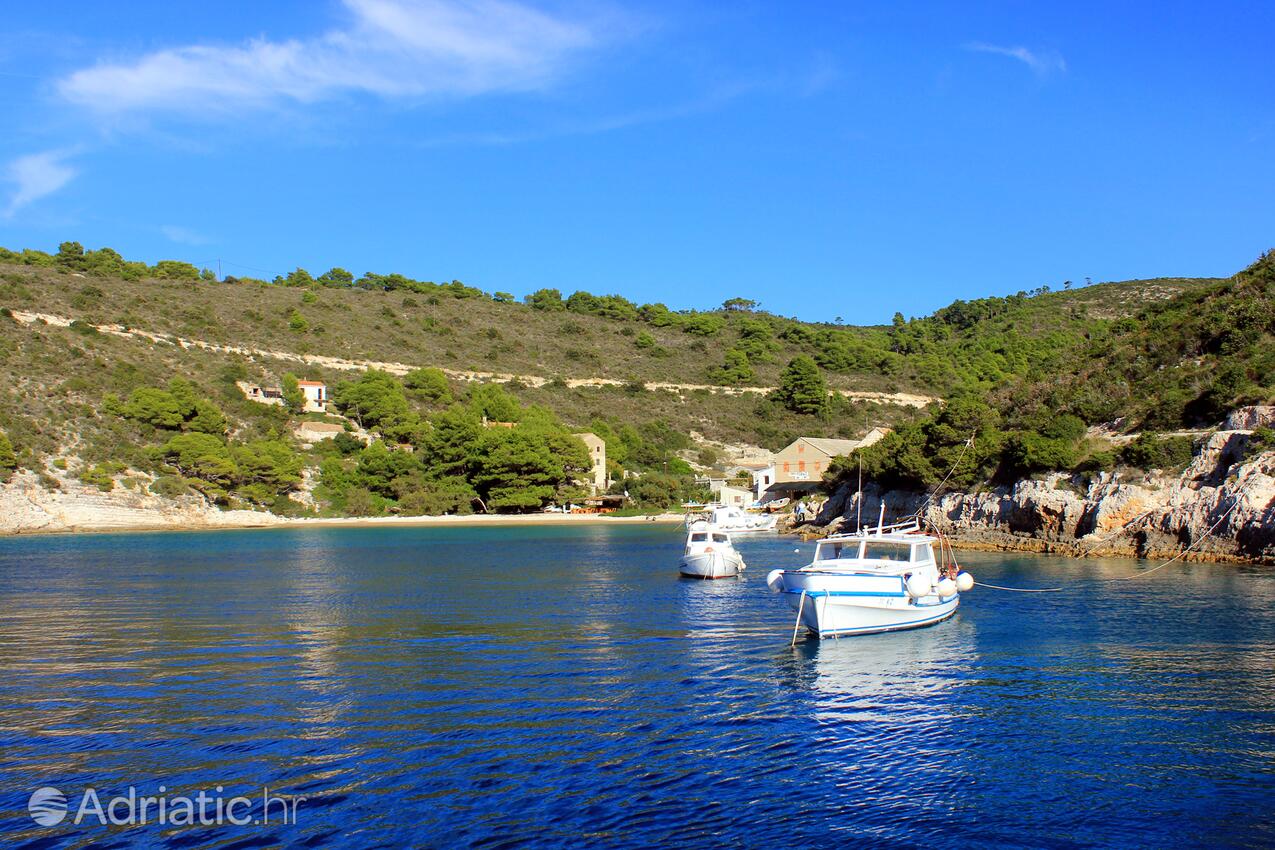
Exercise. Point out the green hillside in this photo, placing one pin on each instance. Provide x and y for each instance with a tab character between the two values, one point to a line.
71	393
1174	364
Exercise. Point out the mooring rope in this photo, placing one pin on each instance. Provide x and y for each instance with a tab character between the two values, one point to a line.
1085	554
1235	503
930	498
1021	589
943	539
1119	530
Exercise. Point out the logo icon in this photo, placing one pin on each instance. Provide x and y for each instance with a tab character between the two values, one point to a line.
47	806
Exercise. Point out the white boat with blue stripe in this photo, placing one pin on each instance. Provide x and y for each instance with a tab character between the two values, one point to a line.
880	579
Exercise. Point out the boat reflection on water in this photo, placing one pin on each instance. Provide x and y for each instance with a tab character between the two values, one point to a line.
884	720
712	607
895	676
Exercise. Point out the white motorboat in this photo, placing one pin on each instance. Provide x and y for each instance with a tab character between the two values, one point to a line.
877	580
733	520
710	553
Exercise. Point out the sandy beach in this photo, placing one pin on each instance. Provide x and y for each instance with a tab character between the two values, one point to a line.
242	520
481	519
27	507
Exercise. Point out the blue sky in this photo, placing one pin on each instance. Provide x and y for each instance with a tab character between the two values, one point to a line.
827	159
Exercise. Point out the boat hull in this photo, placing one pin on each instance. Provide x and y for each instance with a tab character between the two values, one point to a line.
848	605
752	529
734	521
709	565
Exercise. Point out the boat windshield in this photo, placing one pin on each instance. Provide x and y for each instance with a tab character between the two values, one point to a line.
720	538
881	551
835	551
699	537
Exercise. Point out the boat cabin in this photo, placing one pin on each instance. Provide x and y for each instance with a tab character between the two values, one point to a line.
877	550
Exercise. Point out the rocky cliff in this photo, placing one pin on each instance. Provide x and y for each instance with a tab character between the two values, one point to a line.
28	505
1221	507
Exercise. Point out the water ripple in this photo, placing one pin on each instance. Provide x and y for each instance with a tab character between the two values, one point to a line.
560	687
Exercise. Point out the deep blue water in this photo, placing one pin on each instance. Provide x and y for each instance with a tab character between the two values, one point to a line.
562	687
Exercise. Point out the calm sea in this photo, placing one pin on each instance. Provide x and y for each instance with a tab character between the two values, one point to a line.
562	687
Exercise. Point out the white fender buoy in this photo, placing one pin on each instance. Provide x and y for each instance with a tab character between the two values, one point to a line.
775	580
918	586
946	587
964	582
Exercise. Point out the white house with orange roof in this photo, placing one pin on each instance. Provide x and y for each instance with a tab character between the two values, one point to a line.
316	395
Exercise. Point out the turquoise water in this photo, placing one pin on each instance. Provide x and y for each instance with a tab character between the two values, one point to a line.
559	686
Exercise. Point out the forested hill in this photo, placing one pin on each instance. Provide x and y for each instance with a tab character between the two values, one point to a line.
1001	351
391	317
1174	366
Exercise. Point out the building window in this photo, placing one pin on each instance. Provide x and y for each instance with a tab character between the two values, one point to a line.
801	466
786	466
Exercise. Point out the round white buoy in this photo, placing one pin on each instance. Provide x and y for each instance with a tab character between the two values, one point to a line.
946	587
964	582
775	580
918	586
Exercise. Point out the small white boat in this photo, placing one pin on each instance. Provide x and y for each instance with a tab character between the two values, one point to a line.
733	520
877	580
710	553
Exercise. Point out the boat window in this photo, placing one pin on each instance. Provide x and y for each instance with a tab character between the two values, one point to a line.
882	551
833	551
720	538
699	537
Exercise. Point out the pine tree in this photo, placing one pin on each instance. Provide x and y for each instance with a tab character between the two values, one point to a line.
802	388
8	458
293	397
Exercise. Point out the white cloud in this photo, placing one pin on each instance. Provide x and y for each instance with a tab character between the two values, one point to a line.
1041	61
36	175
183	235
391	49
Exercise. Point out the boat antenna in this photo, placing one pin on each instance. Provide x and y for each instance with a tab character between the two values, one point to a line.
858	517
969	444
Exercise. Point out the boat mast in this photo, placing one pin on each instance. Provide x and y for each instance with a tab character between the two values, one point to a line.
858	517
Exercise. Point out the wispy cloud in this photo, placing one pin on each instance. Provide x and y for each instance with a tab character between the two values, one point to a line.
715	99
1041	62
390	49
183	235
35	175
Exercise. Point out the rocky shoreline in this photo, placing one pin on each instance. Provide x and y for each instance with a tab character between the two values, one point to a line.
63	504
1220	508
